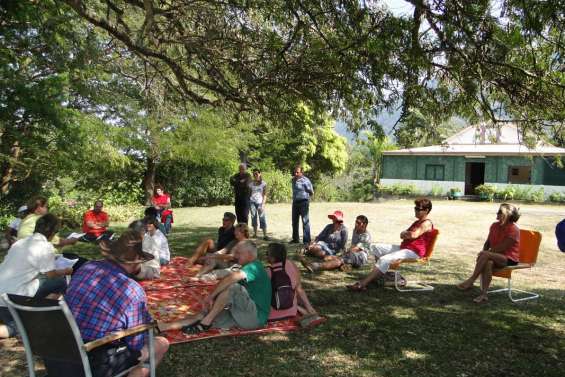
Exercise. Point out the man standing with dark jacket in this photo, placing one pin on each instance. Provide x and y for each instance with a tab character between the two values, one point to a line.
240	183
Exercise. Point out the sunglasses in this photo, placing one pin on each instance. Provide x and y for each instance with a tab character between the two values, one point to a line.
419	209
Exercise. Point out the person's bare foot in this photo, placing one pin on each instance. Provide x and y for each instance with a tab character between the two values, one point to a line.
481	299
464	286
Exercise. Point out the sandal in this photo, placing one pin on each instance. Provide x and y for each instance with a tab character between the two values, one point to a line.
306	265
195	328
356	287
482	299
346	267
311	320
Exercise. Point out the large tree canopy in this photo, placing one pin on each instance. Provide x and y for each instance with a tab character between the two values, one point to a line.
499	60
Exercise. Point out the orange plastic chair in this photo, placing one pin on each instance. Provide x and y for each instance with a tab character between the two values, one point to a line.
529	247
423	261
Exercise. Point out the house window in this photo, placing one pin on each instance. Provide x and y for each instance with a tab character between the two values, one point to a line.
520	174
435	172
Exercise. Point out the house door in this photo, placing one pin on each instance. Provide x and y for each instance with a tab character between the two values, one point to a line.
474	176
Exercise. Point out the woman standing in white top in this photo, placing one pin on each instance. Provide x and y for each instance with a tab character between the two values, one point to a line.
257	203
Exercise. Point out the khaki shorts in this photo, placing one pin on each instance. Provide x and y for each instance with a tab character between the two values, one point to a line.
240	310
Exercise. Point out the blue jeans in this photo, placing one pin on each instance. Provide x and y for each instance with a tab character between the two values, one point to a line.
255	212
328	251
301	208
51	285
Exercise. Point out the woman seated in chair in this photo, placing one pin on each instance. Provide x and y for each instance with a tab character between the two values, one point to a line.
162	203
217	265
276	255
415	241
500	250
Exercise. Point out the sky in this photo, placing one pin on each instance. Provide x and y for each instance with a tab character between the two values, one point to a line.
399	7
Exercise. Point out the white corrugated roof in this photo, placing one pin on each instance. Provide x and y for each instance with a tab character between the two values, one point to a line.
479	140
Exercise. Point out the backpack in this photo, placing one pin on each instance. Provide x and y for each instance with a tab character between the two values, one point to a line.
283	294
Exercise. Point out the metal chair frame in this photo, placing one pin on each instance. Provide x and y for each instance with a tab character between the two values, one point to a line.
520	266
424	261
81	346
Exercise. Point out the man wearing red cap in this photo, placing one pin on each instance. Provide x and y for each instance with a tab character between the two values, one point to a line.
331	239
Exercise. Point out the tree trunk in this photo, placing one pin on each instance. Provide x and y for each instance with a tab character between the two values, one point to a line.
375	179
149	180
8	170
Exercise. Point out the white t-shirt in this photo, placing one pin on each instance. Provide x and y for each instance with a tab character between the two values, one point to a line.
26	259
157	245
257	192
15	224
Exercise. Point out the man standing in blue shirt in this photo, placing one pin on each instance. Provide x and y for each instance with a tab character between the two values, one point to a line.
302	190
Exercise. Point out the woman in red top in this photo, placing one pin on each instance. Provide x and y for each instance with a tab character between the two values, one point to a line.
415	241
162	203
500	250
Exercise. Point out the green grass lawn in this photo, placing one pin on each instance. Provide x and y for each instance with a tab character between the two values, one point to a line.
383	332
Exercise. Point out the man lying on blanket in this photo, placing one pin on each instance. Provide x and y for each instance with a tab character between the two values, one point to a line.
241	299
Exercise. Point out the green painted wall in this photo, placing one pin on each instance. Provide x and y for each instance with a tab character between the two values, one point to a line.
496	168
552	175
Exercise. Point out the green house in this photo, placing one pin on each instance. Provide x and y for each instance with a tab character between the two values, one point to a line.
476	155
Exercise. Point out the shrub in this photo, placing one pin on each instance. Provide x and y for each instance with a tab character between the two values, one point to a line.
279	189
538	195
399	189
436	190
506	193
557	197
361	191
486	191
72	211
327	190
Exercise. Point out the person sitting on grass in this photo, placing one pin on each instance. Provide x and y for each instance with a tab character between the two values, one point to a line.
277	257
36	208
95	224
331	239
415	241
241	299
152	212
501	249
355	257
154	243
225	236
29	270
220	263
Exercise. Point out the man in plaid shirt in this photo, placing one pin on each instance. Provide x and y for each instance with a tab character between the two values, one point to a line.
104	299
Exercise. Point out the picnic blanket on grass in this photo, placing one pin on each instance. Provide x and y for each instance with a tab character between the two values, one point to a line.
175	295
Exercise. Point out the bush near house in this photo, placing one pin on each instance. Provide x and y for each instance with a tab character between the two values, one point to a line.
399	189
491	192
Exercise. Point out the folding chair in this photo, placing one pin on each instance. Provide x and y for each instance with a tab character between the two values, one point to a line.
48	329
529	247
423	261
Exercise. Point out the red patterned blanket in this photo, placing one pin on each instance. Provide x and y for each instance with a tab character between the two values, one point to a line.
176	295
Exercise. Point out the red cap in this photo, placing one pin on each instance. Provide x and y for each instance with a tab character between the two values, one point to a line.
337	215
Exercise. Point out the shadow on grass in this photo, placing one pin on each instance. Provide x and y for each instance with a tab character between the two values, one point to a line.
386	333
383	332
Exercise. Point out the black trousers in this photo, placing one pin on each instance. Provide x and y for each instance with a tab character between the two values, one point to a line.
242	210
